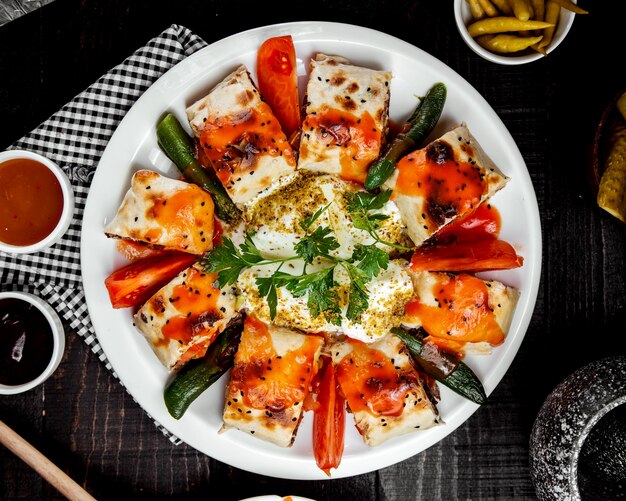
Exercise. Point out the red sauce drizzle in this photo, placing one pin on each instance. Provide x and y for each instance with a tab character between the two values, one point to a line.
187	216
267	380
371	383
359	138
482	224
463	313
218	231
232	143
196	300
449	188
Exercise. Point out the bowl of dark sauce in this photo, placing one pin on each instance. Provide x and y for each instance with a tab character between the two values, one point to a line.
32	341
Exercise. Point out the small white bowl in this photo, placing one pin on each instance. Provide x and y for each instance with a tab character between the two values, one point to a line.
58	337
463	17
68	204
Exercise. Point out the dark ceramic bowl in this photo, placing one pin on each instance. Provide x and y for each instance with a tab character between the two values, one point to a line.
578	441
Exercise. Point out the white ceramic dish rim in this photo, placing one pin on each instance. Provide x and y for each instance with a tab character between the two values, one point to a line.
68	203
463	17
241	450
58	336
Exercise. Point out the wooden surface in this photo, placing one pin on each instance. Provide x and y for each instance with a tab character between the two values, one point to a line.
85	422
42	465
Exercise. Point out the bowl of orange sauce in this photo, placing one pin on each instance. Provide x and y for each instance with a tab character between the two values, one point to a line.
36	202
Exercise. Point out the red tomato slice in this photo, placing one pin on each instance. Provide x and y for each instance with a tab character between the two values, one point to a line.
139	281
480	255
328	419
278	81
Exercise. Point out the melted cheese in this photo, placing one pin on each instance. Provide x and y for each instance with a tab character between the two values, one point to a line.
269	381
461	313
382	389
166	212
442	182
184	317
242	139
346	118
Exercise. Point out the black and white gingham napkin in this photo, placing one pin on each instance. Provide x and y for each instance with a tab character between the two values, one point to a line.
75	138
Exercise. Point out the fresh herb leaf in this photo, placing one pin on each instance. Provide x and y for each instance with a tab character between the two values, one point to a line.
267	289
306	223
323	297
360	203
226	261
370	259
318	243
320	287
249	251
299	285
363	201
358	300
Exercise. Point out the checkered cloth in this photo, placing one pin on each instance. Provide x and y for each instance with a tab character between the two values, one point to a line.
75	138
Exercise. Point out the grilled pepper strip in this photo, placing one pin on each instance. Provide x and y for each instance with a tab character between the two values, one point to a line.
419	125
178	146
195	377
452	372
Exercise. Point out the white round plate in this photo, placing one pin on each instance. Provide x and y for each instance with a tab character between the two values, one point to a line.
133	146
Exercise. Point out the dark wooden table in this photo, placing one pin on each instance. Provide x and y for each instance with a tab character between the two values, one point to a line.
84	421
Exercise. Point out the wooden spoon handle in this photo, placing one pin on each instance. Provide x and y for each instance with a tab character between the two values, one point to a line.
42	465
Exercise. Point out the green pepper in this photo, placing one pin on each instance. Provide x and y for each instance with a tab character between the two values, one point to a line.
447	369
178	146
198	375
419	125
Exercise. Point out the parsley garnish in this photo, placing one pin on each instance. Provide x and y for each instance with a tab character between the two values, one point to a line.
320	286
318	243
360	204
370	259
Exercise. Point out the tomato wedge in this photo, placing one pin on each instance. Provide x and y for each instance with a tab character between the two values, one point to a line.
278	81
479	255
137	282
328	419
